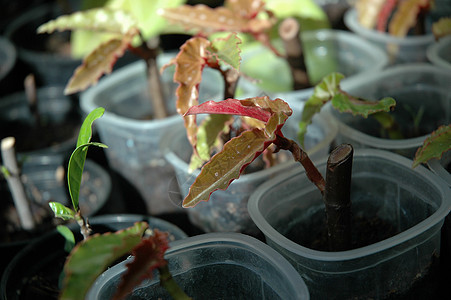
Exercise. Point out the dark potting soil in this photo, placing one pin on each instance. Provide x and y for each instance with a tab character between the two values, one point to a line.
365	231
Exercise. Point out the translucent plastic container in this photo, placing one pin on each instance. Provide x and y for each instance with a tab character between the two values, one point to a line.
399	50
227	210
216	266
439	53
133	139
328	51
414	201
8	56
423	104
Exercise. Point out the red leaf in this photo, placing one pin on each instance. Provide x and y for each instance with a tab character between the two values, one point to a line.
148	256
230	107
384	14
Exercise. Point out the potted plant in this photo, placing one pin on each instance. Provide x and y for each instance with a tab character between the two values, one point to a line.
139	108
399	28
420	90
50	247
275	26
378	185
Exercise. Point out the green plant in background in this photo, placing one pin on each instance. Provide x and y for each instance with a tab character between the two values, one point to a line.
90	257
119	25
258	23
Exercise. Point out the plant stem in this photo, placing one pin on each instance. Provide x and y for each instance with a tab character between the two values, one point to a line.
15	184
299	155
289	31
149	52
337	197
30	92
231	77
168	282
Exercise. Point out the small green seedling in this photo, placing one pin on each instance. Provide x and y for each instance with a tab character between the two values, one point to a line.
90	257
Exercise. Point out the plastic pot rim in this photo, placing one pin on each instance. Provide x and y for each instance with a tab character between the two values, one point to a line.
88	97
432	52
232	239
391	242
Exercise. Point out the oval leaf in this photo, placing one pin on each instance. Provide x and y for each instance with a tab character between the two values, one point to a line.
434	146
62	211
98	62
93	255
96	19
68	237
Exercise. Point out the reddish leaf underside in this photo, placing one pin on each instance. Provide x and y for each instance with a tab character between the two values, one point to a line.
148	256
189	64
385	14
98	62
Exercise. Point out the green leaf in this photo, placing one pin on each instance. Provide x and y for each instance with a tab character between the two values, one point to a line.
75	170
5	171
92	256
62	211
85	133
323	92
329	90
146	14
434	146
227	50
346	103
78	157
442	27
96	19
68	236
98	63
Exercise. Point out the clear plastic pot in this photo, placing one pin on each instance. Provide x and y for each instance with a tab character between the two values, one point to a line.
399	50
423	104
227	210
133	139
439	53
414	201
216	266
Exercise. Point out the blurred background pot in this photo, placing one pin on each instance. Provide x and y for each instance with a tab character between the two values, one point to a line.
409	49
133	137
34	272
227	210
439	53
54	132
411	205
423	102
8	56
216	266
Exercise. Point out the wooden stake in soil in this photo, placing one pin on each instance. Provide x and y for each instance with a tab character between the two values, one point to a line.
337	197
15	185
289	31
154	80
